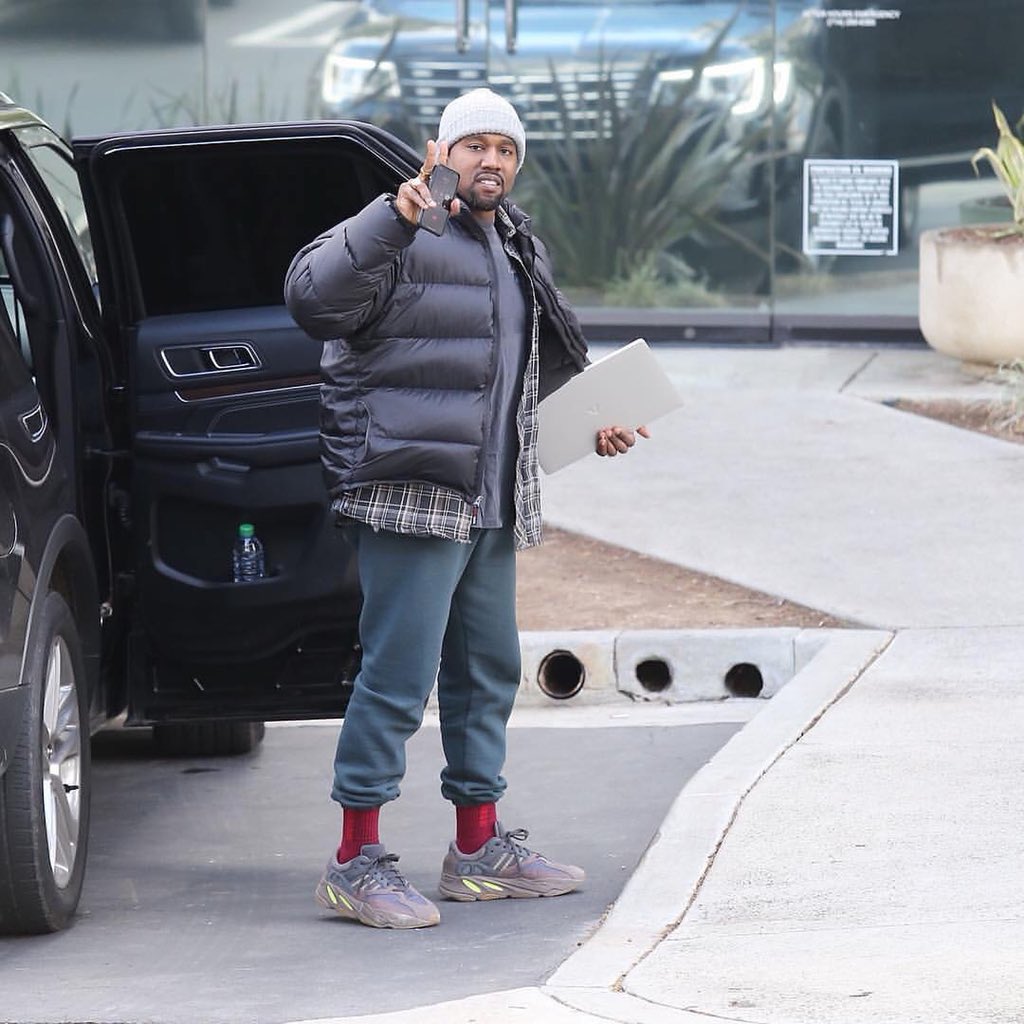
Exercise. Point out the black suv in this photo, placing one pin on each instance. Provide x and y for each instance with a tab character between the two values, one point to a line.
154	394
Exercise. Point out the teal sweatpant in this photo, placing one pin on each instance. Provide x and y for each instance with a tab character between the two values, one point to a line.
432	609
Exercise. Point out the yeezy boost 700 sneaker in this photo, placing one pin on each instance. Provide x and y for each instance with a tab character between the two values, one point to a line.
504	868
371	889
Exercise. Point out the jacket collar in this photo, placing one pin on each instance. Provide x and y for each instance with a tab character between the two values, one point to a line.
509	220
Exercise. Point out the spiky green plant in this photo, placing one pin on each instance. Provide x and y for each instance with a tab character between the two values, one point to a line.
653	176
1007	160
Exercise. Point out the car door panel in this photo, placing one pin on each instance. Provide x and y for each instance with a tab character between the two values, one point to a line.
179	384
196	229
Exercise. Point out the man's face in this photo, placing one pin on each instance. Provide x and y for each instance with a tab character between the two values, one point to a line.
487	170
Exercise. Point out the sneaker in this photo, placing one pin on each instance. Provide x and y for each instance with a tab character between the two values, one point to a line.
504	868
370	888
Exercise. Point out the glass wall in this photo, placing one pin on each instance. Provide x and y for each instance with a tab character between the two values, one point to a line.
900	96
650	128
701	169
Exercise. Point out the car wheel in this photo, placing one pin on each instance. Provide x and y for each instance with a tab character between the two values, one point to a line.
44	795
185	19
219	738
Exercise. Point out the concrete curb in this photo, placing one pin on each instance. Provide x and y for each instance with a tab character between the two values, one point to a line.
671	871
582	667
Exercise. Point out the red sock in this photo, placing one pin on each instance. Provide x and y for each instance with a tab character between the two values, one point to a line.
474	826
358	827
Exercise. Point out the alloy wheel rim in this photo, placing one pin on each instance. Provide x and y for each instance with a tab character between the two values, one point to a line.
62	762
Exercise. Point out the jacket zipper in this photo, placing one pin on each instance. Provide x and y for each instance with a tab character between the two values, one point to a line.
517	499
486	436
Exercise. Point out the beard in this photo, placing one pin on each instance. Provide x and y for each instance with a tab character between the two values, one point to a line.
472	198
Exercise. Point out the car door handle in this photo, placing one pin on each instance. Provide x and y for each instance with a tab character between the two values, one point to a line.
232	357
195	360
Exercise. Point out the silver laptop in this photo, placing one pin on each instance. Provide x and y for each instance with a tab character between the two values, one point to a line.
626	388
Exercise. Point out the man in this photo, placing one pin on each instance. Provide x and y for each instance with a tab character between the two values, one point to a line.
436	350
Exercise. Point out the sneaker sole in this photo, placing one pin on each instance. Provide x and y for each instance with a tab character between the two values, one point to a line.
354	910
483	887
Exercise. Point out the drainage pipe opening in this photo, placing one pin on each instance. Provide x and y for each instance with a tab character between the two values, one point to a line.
561	675
654	675
744	680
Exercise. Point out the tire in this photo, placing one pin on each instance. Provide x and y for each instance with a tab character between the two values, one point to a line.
219	738
185	19
45	793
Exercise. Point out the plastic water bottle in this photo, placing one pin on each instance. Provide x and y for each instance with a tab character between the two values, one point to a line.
247	555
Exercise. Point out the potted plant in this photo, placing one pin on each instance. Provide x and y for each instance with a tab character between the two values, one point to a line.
972	277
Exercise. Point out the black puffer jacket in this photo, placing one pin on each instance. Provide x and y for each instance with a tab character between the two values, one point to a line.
409	358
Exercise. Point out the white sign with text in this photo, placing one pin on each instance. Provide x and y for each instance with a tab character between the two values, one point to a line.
851	207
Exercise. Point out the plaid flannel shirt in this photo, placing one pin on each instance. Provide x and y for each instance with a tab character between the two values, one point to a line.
428	510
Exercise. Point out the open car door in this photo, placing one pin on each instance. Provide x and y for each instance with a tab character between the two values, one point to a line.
194	230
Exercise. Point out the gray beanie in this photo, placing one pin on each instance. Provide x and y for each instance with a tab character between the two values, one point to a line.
482	112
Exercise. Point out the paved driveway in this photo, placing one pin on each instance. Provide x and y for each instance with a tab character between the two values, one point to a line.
198	900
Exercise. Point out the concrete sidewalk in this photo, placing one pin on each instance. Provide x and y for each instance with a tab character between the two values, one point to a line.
853	854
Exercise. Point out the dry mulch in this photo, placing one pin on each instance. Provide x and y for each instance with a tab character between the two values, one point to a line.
994	419
574	582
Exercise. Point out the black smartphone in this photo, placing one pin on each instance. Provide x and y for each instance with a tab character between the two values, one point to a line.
443	182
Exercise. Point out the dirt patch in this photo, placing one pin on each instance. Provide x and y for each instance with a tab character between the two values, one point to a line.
573	582
993	418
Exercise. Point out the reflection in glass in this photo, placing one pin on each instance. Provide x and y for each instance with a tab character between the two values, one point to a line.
910	82
648	127
668	138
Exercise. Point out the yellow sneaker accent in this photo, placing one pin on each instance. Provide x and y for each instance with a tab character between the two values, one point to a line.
505	868
379	895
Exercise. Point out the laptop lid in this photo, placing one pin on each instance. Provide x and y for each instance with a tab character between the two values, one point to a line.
626	388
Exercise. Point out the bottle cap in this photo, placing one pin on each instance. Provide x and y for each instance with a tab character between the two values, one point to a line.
246	530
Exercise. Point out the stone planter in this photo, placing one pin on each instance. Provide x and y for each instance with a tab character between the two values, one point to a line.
972	293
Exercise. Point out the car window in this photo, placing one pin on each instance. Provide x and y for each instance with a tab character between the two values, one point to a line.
26	286
12	315
11	332
216	227
32	300
61	181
